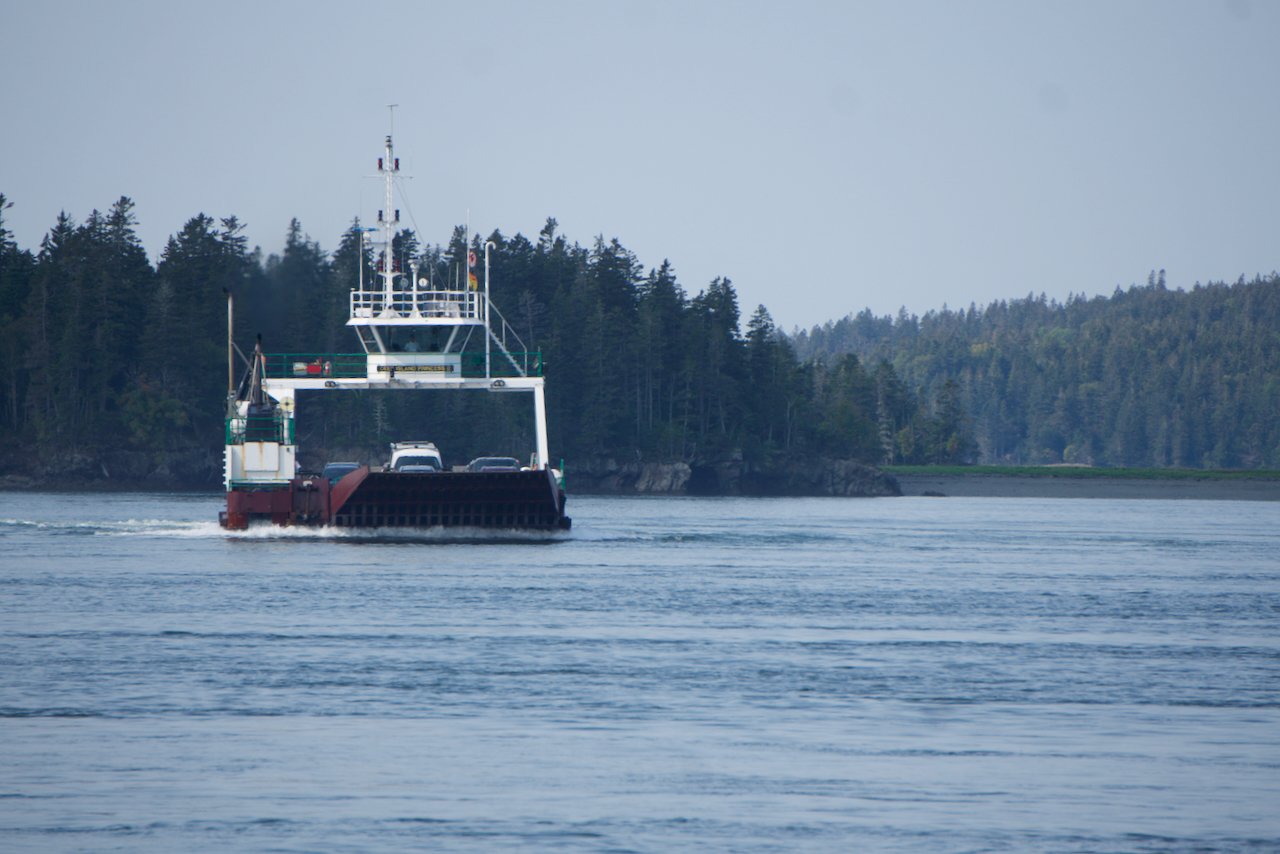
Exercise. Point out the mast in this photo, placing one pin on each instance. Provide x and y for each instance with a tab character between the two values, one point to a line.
388	166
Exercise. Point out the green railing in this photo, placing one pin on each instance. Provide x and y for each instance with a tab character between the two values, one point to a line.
499	366
315	365
259	428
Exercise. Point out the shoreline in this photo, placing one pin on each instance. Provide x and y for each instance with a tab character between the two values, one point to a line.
984	485
1027	486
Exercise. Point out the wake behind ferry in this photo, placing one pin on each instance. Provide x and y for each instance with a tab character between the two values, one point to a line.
415	337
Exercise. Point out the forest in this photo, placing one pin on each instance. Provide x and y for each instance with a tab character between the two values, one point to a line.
1147	377
114	368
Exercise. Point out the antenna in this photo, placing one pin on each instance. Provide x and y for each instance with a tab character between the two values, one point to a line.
231	364
392	108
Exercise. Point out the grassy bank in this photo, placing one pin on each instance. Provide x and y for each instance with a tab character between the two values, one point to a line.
1086	472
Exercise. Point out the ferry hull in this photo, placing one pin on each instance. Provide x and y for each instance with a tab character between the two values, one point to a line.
524	500
529	500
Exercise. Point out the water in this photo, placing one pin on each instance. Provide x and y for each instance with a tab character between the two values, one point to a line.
677	675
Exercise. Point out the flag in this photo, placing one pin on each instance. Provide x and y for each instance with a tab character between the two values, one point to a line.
472	281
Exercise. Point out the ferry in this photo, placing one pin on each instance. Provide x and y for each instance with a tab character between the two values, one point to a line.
415	336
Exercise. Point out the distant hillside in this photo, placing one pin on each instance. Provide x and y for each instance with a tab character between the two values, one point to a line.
1146	377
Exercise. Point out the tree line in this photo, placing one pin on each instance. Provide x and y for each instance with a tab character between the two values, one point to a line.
1148	376
104	355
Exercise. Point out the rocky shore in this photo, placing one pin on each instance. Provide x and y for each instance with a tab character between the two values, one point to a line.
818	477
202	471
123	471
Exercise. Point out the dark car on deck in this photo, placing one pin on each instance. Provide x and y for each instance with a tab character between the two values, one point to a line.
494	464
337	471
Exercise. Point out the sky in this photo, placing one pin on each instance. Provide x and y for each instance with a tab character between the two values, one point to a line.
825	157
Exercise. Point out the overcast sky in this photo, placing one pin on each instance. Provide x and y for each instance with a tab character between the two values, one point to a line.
824	156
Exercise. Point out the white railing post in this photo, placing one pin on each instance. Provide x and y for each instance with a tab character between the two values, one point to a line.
540	419
489	244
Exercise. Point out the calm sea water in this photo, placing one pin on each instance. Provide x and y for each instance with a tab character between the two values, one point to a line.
676	675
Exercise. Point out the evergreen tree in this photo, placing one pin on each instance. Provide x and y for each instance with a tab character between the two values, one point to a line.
715	368
660	306
17	268
47	312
